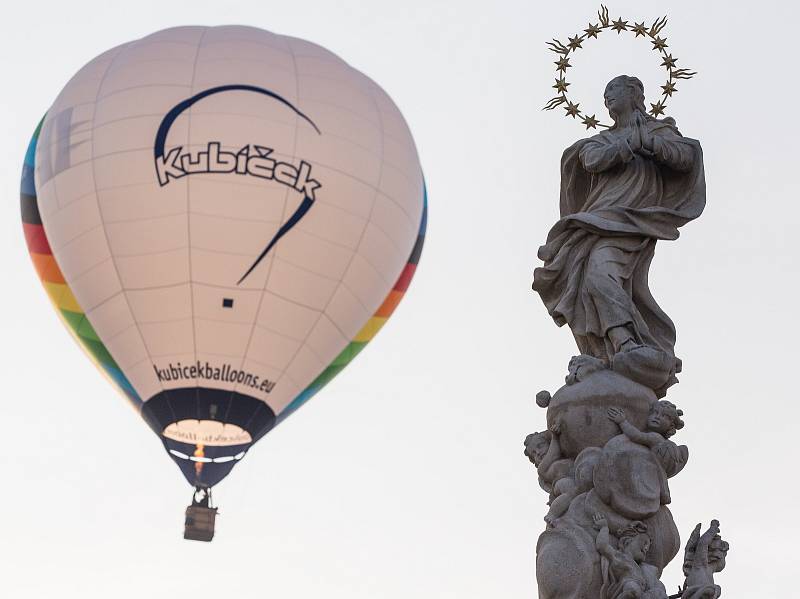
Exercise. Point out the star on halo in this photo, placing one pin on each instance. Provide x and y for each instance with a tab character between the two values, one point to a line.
575	42
592	31
669	62
619	25
572	109
561	85
669	88
657	108
639	29
590	122
563	64
659	44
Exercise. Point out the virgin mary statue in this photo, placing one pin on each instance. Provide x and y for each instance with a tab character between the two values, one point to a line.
621	191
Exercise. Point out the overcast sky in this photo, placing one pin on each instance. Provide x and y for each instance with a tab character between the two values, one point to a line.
405	476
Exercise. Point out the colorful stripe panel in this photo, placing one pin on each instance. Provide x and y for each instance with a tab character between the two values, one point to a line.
56	287
374	324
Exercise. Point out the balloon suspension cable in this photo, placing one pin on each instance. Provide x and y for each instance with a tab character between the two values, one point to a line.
202	497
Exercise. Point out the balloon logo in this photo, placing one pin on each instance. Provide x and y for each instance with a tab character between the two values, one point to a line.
224	218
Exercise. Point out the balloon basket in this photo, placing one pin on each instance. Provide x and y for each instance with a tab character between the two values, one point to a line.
200	518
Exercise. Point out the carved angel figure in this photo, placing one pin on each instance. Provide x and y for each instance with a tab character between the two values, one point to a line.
555	471
705	556
625	573
662	423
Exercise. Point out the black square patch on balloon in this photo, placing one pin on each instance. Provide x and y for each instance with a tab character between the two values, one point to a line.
227	302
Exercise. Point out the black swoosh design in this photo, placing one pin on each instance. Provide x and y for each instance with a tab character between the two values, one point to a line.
169	118
293	220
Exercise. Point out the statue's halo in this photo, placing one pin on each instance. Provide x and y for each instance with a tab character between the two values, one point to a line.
640	30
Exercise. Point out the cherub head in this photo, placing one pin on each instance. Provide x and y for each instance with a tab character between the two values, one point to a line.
580	367
634	540
717	552
624	95
665	418
536	446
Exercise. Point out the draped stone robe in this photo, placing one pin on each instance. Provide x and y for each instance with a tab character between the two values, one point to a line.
615	204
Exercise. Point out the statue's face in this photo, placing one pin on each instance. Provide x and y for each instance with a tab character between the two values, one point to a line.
717	552
536	446
618	96
638	548
658	422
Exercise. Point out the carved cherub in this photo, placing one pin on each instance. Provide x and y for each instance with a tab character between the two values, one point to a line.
555	471
625	573
662	423
705	556
580	367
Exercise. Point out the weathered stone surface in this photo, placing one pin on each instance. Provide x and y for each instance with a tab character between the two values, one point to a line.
629	479
581	409
665	540
622	191
567	564
623	563
705	556
607	454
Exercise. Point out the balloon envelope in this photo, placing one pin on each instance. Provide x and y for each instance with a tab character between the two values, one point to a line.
224	218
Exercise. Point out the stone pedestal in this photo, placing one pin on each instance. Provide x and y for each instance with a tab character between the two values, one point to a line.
608	475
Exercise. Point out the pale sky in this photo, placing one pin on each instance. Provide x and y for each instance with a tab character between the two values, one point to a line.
405	475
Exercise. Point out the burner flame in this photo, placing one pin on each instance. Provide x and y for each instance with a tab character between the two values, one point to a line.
199	453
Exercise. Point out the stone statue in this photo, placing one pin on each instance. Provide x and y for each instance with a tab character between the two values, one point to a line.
621	191
625	573
663	422
607	454
556	473
705	555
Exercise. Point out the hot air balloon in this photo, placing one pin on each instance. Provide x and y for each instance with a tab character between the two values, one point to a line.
223	218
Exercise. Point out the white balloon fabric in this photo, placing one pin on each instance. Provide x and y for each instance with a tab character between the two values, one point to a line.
224	217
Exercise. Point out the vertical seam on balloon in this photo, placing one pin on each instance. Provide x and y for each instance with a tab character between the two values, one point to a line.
347	269
275	253
189	218
355	345
123	385
100	211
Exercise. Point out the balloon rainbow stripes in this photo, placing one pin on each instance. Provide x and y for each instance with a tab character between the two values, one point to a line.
373	325
52	279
